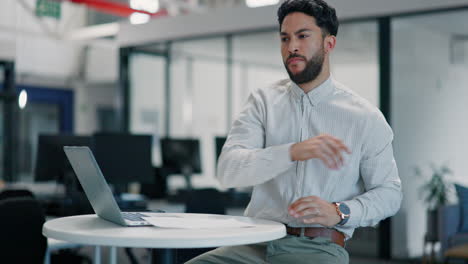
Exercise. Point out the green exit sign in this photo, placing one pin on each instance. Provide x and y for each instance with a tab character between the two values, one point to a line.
48	8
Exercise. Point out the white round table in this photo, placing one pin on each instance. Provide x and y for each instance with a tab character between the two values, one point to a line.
92	230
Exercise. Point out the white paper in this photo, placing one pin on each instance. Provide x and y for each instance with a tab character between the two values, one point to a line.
195	223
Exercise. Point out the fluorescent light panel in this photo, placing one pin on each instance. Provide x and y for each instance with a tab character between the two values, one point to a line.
139	18
151	6
258	3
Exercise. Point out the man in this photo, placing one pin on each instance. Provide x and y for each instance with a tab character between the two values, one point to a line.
319	156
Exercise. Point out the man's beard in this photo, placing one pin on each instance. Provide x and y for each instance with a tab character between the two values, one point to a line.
311	71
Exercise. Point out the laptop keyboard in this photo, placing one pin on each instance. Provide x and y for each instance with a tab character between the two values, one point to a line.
133	216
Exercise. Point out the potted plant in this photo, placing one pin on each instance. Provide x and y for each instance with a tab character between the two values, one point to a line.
435	193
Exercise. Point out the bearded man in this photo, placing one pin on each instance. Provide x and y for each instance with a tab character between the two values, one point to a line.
319	156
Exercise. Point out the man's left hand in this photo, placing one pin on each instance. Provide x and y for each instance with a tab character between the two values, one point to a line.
313	210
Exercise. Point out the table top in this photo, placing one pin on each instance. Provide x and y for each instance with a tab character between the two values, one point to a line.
163	204
92	230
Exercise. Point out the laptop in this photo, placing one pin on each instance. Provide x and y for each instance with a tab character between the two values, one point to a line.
97	190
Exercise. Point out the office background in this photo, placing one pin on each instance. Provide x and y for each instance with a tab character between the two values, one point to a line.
188	74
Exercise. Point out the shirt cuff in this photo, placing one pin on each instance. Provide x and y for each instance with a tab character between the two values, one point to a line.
283	154
355	208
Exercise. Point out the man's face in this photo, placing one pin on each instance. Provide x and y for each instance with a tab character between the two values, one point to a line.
302	47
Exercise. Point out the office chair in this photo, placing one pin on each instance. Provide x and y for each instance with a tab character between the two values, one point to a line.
16	193
202	201
205	201
21	221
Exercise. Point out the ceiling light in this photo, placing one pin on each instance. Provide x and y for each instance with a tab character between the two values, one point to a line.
258	3
23	99
139	18
151	6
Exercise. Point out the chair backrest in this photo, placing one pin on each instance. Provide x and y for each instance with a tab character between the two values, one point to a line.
206	201
449	222
11	193
21	239
202	201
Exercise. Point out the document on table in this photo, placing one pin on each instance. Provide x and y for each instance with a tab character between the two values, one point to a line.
195	223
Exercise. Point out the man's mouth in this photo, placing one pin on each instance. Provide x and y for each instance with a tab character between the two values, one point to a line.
295	60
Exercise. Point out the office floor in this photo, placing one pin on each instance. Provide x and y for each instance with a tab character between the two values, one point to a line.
357	260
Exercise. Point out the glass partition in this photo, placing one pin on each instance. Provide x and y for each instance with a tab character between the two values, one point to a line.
429	95
257	63
1	123
2	77
1	141
147	98
198	76
354	62
199	82
34	119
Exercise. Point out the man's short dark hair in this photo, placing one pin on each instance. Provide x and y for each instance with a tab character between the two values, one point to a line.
324	14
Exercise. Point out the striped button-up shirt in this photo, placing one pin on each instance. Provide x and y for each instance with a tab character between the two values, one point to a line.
256	153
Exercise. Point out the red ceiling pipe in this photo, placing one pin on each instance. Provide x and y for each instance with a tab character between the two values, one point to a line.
114	8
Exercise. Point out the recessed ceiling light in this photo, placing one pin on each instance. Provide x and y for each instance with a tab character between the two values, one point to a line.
22	99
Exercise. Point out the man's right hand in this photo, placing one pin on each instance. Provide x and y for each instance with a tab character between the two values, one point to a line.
324	147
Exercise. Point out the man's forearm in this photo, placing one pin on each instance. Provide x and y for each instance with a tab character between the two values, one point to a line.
240	167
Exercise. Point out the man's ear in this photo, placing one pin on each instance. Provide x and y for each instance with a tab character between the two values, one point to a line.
329	43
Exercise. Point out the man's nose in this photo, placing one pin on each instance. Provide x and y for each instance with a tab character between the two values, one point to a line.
293	46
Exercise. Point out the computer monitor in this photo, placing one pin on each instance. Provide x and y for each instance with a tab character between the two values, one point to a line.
51	162
181	156
124	158
53	165
219	142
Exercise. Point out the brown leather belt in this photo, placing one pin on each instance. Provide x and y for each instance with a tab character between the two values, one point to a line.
336	236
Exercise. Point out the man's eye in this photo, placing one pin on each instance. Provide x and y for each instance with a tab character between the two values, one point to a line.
284	39
303	36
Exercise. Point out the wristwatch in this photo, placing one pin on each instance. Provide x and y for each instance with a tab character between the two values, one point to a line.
343	211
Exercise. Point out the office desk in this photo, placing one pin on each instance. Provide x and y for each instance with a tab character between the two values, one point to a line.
92	230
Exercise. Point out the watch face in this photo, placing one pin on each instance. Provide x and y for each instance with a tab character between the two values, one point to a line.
344	209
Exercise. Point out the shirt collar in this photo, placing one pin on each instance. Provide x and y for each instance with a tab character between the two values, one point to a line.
317	94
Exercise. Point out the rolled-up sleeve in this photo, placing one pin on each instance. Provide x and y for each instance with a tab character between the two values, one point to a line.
383	195
244	160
